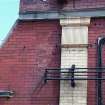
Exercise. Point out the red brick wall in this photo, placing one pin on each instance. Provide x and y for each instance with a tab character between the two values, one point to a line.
39	5
32	47
96	29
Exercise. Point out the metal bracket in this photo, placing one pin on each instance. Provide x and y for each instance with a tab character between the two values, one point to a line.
6	94
72	76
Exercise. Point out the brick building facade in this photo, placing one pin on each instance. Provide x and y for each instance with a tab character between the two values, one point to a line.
51	34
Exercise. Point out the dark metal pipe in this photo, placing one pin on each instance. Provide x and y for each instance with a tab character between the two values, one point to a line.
78	78
50	72
100	43
93	68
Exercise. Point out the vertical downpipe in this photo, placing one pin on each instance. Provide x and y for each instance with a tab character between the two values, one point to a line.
100	43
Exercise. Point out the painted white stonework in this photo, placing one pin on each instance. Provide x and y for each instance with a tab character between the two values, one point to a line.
75	21
77	95
74	31
75	35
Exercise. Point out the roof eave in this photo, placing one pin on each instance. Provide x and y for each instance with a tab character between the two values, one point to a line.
30	15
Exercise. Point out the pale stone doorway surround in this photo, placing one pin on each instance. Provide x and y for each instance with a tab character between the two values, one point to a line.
74	51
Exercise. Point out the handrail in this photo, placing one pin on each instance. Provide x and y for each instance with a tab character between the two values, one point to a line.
74	74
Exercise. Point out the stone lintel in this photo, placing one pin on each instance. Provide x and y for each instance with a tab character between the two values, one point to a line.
75	21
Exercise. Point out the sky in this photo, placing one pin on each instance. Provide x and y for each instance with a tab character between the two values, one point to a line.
9	10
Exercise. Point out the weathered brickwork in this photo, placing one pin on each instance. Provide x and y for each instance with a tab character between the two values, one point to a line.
40	5
32	47
96	29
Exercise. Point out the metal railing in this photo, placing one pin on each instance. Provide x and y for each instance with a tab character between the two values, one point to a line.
75	74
